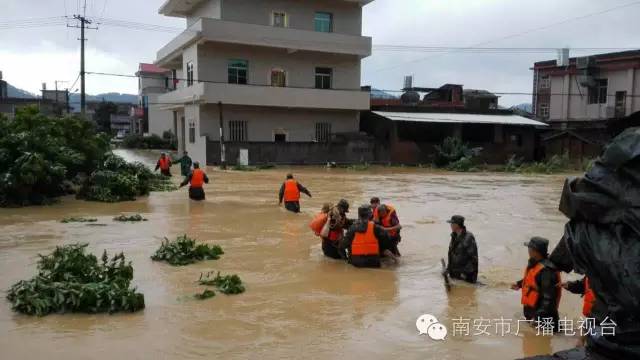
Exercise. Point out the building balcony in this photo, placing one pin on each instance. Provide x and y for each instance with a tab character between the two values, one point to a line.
230	32
256	95
181	8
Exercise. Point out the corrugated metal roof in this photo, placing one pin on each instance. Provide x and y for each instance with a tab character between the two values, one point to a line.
460	118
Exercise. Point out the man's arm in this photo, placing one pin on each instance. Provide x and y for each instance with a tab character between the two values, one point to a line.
157	165
471	248
347	239
206	179
547	280
187	179
281	193
381	233
575	287
304	190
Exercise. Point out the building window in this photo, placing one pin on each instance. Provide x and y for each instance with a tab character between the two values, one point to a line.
189	73
192	133
324	22
238	71
278	78
545	82
598	93
238	131
544	111
279	19
323	132
323	78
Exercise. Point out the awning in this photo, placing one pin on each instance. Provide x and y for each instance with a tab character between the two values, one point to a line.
455	118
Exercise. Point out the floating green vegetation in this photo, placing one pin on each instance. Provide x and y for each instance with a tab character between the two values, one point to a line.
553	165
226	284
184	251
207	294
78	220
131	218
69	280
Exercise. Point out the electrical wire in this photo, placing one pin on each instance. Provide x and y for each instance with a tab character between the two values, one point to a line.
522	33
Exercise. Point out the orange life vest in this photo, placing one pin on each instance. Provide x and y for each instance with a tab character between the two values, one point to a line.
530	291
165	163
197	178
291	192
386	221
318	222
365	243
589	298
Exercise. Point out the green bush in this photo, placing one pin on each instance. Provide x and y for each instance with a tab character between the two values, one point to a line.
553	165
69	280
451	150
118	180
147	142
132	218
227	284
40	156
206	294
184	251
464	164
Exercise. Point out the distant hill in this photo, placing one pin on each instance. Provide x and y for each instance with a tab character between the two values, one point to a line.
14	92
524	107
379	94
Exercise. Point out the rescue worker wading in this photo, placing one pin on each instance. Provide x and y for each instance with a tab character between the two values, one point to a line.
185	164
387	217
583	288
541	285
363	240
197	178
337	223
290	193
463	252
164	164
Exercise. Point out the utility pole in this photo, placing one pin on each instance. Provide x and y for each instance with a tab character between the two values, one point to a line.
83	25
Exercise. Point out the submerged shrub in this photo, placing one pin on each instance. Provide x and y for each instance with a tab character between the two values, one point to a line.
464	164
77	219
227	284
184	251
69	280
206	294
451	150
132	218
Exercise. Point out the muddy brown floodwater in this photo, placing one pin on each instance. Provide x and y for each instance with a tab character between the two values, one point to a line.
297	304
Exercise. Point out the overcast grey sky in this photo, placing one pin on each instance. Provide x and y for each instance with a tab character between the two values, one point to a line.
30	56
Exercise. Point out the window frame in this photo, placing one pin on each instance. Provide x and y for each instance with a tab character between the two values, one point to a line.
323	132
545	82
544	109
192	132
232	67
238	130
317	21
285	18
323	76
599	93
190	78
283	72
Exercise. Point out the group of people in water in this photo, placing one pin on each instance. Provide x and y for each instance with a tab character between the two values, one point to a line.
375	235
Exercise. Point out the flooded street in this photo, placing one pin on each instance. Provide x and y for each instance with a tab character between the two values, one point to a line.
298	304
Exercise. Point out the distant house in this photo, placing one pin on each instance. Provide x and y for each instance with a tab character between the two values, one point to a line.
154	81
581	97
10	105
408	132
121	123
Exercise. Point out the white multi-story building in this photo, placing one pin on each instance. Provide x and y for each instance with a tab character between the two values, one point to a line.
153	81
272	71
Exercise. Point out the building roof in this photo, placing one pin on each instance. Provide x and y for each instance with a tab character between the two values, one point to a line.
621	55
459	118
152	68
478	93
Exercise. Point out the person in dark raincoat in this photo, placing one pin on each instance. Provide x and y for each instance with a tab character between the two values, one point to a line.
185	164
463	252
541	285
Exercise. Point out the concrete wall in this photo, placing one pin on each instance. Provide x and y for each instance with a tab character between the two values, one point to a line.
298	124
347	17
295	153
151	83
159	120
570	101
300	66
208	9
198	149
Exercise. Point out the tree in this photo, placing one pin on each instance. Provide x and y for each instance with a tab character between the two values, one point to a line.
103	114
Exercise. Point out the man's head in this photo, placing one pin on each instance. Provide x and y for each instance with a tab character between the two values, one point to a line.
364	212
457	223
326	208
383	210
538	248
343	206
186	153
289	176
163	155
196	165
375	202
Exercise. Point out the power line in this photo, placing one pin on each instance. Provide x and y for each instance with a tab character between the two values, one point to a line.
525	32
494	50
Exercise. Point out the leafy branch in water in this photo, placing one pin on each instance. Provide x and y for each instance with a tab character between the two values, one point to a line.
205	294
78	220
132	218
184	251
69	280
227	284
